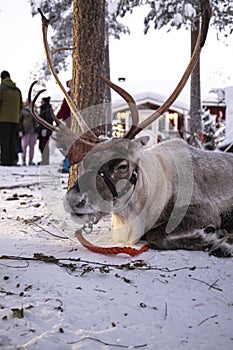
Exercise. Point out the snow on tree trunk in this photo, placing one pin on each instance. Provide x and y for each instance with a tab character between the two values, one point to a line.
195	90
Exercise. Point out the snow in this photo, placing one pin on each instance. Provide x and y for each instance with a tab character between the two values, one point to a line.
189	10
178	19
82	300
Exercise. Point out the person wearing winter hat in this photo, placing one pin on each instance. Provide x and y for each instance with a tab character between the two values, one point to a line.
11	105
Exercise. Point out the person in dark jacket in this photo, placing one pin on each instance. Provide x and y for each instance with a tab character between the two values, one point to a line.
44	133
28	126
11	105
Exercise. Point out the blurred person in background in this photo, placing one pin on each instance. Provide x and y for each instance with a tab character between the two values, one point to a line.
44	133
27	126
11	105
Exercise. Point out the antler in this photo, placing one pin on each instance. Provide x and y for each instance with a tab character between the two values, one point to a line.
206	13
127	97
31	104
72	145
83	126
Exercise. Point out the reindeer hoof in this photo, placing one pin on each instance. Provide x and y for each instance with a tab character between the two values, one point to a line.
222	252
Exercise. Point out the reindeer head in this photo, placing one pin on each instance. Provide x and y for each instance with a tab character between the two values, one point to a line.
108	176
109	168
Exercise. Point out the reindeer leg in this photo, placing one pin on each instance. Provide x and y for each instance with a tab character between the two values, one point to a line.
222	247
218	242
198	239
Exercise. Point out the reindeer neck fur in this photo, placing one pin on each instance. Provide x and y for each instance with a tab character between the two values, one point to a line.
147	200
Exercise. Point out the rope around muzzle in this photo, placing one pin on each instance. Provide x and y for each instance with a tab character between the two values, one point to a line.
87	228
107	250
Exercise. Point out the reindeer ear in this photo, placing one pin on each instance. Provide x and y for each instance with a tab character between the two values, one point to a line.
143	140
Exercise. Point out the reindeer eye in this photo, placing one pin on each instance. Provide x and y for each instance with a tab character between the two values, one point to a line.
122	166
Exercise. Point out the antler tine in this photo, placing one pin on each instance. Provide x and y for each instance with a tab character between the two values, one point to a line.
205	9
206	15
31	104
127	97
55	118
30	92
83	126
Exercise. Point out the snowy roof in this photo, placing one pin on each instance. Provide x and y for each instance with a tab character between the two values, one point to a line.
153	98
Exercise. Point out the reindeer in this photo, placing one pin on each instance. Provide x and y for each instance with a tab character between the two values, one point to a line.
171	194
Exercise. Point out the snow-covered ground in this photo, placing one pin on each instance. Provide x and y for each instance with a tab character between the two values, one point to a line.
56	295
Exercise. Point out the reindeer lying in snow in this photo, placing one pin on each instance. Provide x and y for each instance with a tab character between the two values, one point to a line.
172	195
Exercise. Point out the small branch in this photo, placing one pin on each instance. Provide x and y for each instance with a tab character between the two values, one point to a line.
7	293
43	229
158	279
109	344
165	313
37	175
16	267
19	186
206	319
213	285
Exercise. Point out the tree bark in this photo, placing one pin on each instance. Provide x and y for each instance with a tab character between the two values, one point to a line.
90	60
195	90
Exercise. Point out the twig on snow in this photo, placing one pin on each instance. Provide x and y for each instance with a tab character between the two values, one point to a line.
165	313
109	344
16	266
22	185
213	285
43	229
6	292
206	319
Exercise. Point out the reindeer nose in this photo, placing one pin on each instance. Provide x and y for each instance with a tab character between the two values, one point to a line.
80	204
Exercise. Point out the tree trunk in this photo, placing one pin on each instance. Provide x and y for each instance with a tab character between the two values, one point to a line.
195	90
89	93
108	111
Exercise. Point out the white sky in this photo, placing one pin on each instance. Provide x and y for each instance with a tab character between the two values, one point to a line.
154	62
